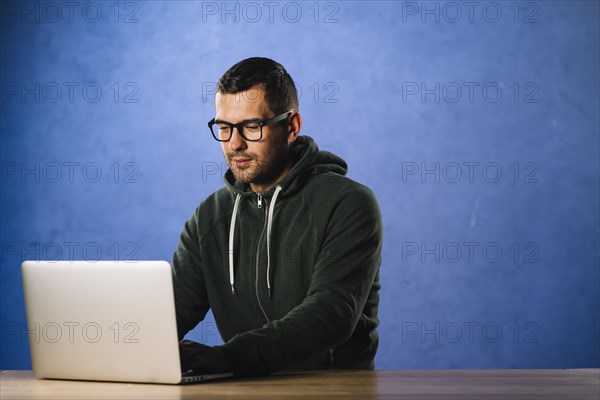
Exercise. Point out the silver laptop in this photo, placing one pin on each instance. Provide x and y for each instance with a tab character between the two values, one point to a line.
105	321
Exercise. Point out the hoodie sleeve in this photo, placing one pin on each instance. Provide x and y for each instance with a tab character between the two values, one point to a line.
343	276
191	300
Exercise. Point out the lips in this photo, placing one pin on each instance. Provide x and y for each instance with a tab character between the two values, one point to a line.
242	162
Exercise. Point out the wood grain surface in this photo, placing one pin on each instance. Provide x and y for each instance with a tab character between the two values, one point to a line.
380	384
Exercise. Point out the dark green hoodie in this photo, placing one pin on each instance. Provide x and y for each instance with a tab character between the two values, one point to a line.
292	274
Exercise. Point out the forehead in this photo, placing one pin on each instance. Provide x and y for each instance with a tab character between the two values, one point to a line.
240	106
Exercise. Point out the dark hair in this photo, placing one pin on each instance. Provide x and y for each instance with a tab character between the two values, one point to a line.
280	91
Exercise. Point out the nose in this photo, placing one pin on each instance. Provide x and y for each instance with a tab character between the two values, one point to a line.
236	142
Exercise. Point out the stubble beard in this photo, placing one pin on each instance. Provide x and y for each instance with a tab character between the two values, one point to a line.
262	170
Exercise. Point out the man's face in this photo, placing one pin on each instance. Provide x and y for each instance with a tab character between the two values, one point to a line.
260	163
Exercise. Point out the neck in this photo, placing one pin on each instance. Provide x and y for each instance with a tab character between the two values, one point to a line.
264	187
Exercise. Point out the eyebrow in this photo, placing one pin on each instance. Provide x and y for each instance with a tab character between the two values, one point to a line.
241	122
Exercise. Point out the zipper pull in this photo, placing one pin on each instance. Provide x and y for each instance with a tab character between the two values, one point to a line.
259	200
331	358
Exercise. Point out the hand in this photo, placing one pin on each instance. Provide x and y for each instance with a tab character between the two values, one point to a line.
202	358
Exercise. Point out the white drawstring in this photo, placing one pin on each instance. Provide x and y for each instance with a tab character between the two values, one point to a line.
269	223
231	234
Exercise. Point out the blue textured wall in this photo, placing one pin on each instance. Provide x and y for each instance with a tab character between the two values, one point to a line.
476	125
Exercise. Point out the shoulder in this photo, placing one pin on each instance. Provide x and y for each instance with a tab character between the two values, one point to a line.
331	183
334	190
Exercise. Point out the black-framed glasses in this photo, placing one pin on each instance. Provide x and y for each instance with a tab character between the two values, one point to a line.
250	130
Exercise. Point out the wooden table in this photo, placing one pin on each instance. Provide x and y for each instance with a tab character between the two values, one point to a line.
381	384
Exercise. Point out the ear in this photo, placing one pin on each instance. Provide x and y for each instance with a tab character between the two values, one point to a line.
294	127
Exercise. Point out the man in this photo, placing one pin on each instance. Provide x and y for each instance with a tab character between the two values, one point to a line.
287	254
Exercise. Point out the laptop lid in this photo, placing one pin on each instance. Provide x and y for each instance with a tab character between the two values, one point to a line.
104	320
